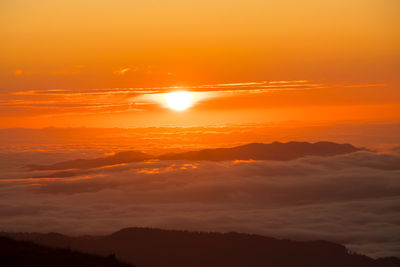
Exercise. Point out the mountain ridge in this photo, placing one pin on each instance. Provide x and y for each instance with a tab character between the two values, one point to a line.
174	248
256	151
16	253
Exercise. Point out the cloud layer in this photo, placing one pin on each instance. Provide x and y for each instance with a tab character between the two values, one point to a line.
117	100
351	199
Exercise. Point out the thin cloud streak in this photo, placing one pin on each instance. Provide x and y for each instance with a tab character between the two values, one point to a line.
107	100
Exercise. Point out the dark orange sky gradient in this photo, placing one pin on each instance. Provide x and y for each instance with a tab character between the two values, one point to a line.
90	63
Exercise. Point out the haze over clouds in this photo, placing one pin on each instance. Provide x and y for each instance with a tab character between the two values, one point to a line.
93	142
352	199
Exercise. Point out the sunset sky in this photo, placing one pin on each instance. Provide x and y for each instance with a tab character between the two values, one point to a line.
292	105
107	63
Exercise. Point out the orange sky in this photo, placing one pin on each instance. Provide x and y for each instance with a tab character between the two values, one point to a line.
88	63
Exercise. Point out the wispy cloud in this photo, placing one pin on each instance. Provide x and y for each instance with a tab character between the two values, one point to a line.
122	71
107	99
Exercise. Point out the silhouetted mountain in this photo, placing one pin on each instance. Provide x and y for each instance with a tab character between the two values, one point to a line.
274	151
118	158
168	248
391	261
256	151
15	253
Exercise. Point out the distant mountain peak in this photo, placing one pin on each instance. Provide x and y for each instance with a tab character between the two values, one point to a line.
260	151
256	151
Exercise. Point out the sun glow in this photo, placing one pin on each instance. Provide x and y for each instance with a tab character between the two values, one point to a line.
179	100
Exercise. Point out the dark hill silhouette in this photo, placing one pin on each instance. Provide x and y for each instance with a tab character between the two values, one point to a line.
15	253
169	248
256	151
118	158
274	151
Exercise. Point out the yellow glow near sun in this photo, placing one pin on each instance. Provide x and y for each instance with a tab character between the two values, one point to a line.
179	100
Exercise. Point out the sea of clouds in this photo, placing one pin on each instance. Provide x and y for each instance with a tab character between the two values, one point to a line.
351	199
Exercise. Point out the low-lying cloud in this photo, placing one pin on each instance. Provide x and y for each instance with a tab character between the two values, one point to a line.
352	199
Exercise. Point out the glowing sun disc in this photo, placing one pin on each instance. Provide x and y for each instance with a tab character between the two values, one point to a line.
179	100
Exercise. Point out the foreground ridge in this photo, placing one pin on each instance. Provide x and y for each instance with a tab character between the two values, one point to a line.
24	253
168	248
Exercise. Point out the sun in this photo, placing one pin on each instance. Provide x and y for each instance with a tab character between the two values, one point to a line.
179	100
